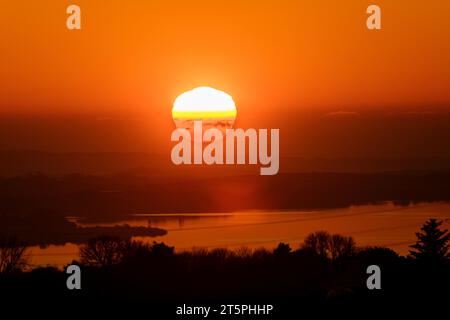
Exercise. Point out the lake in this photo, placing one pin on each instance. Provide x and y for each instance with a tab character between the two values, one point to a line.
370	225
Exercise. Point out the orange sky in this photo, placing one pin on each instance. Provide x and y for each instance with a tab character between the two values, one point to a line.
132	58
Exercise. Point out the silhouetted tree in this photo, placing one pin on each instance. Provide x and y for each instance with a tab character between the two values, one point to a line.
161	249
282	249
261	254
221	254
331	246
12	255
373	255
136	250
102	251
340	246
432	243
243	253
318	242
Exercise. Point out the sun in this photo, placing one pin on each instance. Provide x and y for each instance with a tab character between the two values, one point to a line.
214	107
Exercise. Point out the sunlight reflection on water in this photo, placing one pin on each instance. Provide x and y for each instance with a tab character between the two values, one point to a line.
381	225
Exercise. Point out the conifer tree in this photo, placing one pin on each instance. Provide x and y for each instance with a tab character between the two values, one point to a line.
432	242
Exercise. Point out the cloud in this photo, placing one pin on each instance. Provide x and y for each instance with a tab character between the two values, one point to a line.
342	113
101	118
419	112
413	113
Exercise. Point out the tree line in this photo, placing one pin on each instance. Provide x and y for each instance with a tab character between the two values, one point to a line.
431	246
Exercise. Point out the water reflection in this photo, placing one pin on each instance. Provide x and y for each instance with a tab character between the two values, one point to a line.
382	225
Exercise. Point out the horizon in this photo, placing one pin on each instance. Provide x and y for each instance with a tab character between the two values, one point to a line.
315	72
216	159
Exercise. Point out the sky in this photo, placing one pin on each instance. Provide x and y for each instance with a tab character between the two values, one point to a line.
310	68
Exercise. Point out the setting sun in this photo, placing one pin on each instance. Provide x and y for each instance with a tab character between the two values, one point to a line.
130	182
204	103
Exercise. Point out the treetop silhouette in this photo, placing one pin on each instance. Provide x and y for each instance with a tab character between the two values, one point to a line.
432	243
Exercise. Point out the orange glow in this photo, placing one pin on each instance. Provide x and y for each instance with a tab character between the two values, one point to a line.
281	60
132	55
